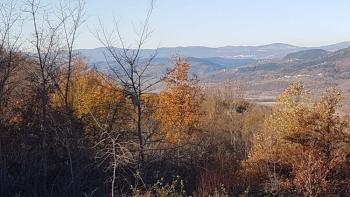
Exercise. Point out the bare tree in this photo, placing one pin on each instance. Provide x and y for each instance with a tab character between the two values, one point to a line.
72	16
10	60
10	19
47	48
130	70
112	150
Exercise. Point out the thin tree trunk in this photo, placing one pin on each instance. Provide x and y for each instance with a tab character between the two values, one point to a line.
139	133
114	169
43	132
71	167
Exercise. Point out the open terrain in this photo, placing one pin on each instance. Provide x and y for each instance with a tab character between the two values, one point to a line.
264	70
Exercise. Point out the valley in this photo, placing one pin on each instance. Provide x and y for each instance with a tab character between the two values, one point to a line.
265	70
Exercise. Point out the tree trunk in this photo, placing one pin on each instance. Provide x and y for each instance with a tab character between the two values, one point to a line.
139	133
114	169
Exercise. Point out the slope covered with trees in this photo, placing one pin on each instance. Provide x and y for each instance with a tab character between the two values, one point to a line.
67	129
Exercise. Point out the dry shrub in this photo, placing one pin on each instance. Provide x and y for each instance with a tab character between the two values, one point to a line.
301	145
210	182
227	126
161	189
311	174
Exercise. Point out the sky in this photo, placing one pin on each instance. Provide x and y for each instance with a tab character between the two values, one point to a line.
215	23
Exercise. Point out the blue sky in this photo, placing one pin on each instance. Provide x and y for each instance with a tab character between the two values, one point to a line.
224	22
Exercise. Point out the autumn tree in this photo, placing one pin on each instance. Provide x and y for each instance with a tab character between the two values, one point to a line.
94	98
324	143
302	144
179	102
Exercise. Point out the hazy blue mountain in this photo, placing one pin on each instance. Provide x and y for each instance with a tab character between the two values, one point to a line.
309	64
305	55
199	66
270	51
336	47
245	62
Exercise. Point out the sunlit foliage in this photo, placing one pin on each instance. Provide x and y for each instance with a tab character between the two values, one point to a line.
303	144
179	103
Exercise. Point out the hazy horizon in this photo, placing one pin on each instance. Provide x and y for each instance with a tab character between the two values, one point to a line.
221	23
253	45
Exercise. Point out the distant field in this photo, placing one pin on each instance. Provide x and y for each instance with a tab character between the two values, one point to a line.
271	100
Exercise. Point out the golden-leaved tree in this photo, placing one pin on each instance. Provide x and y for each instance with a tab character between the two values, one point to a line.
303	145
179	103
92	95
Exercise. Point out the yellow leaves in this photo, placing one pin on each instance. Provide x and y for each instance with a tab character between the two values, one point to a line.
92	92
150	102
306	136
95	99
330	101
89	91
294	115
292	94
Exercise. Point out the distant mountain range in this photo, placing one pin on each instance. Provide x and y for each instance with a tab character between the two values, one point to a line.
317	69
266	70
307	63
270	51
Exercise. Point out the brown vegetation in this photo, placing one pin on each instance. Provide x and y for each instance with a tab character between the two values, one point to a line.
67	129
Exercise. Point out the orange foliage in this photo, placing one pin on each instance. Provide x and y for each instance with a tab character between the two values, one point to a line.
179	103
